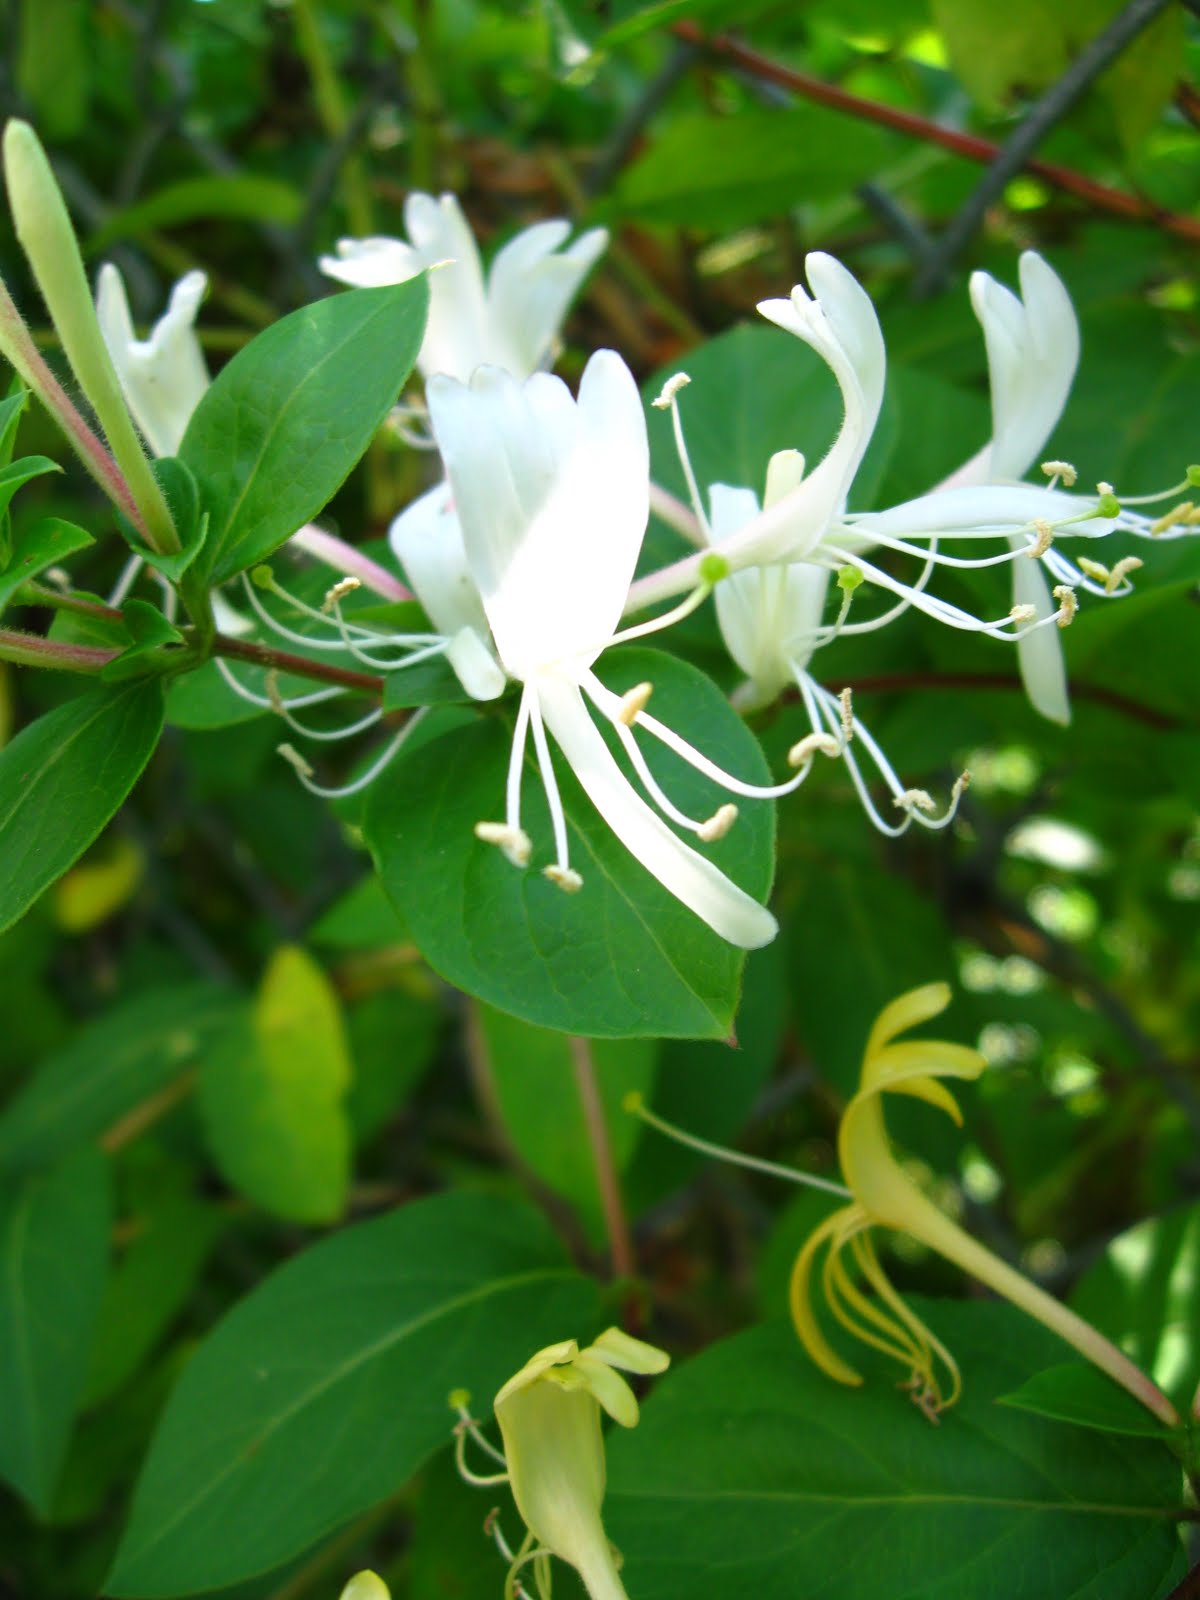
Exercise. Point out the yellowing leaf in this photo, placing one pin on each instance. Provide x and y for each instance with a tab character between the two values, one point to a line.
91	892
272	1095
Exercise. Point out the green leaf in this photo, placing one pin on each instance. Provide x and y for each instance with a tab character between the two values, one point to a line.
538	1098
1075	1392
243	196
726	172
428	683
191	524
12	478
1144	1293
750	1461
620	959
272	1093
108	1069
37	547
63	777
54	65
155	640
282	425
325	1389
53	1260
361	919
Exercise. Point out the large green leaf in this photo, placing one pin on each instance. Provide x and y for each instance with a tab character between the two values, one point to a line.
35	548
322	1392
1144	1292
62	778
622	958
538	1098
53	1260
751	1463
107	1069
272	1093
722	173
279	430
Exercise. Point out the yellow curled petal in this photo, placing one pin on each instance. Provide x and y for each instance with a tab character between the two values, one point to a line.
609	1388
800	1298
627	1354
907	1011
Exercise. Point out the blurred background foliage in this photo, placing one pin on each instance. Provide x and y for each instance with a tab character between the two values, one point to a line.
219	998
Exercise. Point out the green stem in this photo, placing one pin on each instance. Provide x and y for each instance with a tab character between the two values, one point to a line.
616	1223
331	108
48	239
37	594
31	650
18	348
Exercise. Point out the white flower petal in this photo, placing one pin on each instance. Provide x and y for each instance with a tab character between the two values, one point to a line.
553	498
686	874
373	263
164	376
427	541
987	506
1040	653
530	286
1033	351
840	324
456	339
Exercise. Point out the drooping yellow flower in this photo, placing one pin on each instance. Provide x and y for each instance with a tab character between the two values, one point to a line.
884	1195
549	1417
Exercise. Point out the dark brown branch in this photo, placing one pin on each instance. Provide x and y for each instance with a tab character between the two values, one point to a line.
900	682
1098	195
265	655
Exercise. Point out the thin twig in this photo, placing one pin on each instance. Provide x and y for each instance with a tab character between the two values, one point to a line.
1098	195
616	1223
1091	61
900	682
266	655
629	130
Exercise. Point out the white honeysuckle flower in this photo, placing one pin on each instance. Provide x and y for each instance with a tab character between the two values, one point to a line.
771	620
164	376
552	495
427	541
1033	351
1034	345
509	320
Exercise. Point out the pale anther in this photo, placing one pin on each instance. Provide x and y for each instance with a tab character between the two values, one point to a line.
294	760
916	799
1184	512
813	744
515	842
1121	570
719	824
1103	488
271	685
338	592
961	784
566	878
1061	469
669	390
633	702
1045	537
1023	613
1068	605
846	709
1094	569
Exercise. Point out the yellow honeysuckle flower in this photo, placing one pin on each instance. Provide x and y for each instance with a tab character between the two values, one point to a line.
884	1195
549	1418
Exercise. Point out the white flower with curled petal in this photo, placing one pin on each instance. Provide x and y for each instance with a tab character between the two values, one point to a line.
552	497
509	320
1033	349
164	376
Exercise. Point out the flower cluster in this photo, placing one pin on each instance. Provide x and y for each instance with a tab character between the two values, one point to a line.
523	556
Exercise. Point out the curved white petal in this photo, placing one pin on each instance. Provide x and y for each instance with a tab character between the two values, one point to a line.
1040	653
163	376
1033	351
530	286
456	335
987	506
553	498
427	541
686	874
838	321
373	263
